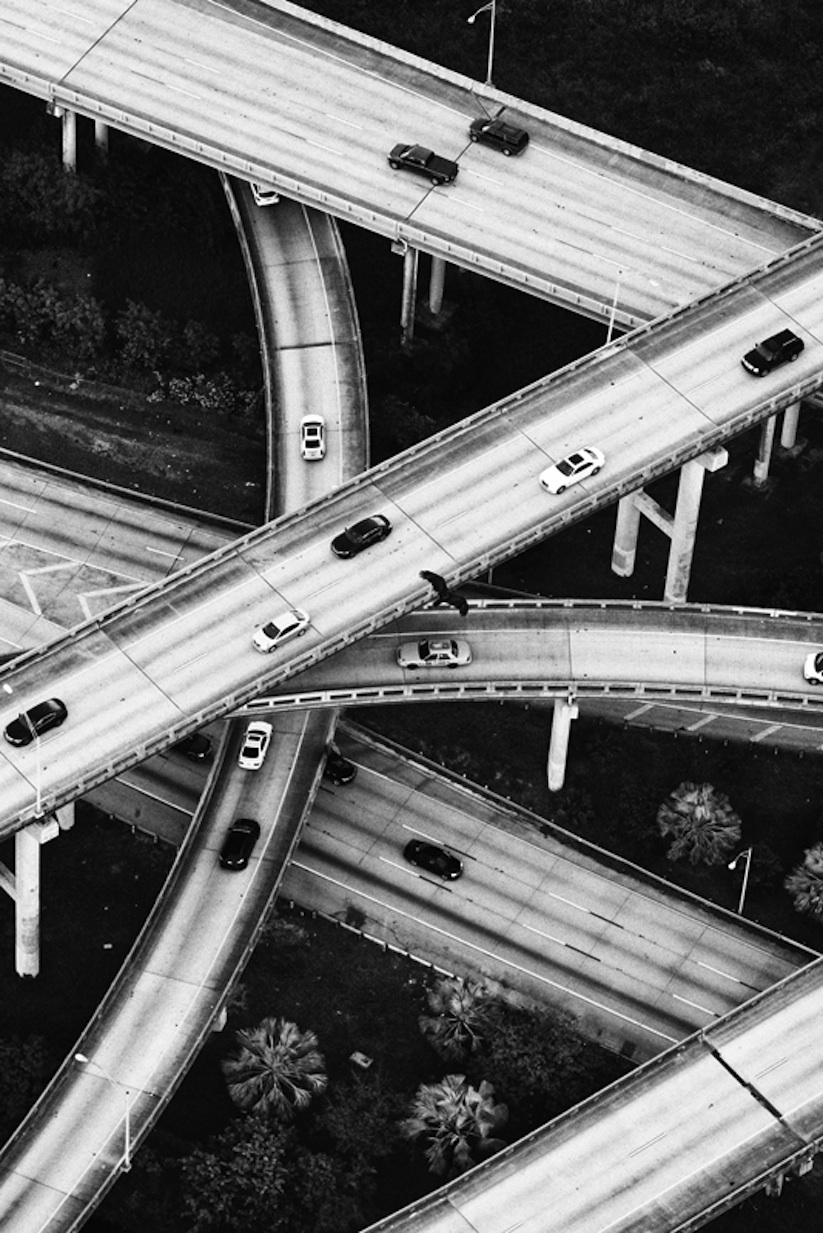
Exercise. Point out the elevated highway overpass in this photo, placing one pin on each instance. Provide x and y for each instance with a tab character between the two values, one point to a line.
582	219
679	1141
133	679
605	300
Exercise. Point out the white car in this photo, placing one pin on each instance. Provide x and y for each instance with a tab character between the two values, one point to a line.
288	625
813	668
313	437
255	745
572	469
434	653
264	194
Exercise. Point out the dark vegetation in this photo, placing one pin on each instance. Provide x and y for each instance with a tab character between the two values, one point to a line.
98	276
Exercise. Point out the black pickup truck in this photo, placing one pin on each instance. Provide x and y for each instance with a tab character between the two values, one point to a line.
424	163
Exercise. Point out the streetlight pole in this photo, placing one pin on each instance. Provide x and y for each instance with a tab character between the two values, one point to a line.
613	312
747	852
491	8
87	1061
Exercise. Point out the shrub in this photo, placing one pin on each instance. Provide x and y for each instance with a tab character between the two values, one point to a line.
805	883
701	822
145	337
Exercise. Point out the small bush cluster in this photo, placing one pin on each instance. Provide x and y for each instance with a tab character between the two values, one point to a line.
701	823
805	883
40	314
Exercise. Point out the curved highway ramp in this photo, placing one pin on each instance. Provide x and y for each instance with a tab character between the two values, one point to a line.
133	680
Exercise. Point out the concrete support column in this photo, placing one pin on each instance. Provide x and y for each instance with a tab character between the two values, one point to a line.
411	257
624	549
564	712
69	140
101	140
65	816
788	431
684	532
436	284
764	450
27	901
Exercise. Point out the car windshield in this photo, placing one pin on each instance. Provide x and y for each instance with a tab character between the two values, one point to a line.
565	466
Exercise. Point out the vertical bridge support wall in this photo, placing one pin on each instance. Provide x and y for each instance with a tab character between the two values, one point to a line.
680	527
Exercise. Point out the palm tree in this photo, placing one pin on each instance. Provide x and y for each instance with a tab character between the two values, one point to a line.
805	883
702	823
277	1069
459	1014
457	1123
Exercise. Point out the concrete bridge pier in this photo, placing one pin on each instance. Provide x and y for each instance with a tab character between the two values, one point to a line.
411	258
788	430
69	140
436	284
101	140
565	710
764	451
627	527
680	527
24	888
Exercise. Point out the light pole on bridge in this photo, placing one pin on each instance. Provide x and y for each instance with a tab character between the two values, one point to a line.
490	8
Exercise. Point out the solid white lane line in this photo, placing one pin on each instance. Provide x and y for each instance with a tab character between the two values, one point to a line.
545	980
27	509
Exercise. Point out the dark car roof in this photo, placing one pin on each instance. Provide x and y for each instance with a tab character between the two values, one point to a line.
419	851
504	132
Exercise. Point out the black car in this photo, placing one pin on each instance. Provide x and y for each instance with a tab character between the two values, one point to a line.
338	769
433	859
423	162
239	843
41	718
772	352
507	138
195	747
362	535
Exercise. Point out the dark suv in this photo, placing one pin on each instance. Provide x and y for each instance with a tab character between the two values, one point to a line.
338	769
772	352
504	137
30	724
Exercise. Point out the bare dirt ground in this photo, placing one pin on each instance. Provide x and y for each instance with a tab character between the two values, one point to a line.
210	462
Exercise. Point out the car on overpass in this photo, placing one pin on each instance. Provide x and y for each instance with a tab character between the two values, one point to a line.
291	624
255	745
30	725
433	859
423	162
338	770
507	138
361	535
813	668
196	747
580	465
239	843
264	194
781	348
434	653
312	438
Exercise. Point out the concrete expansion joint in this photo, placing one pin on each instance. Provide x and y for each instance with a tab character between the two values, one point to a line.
756	1093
